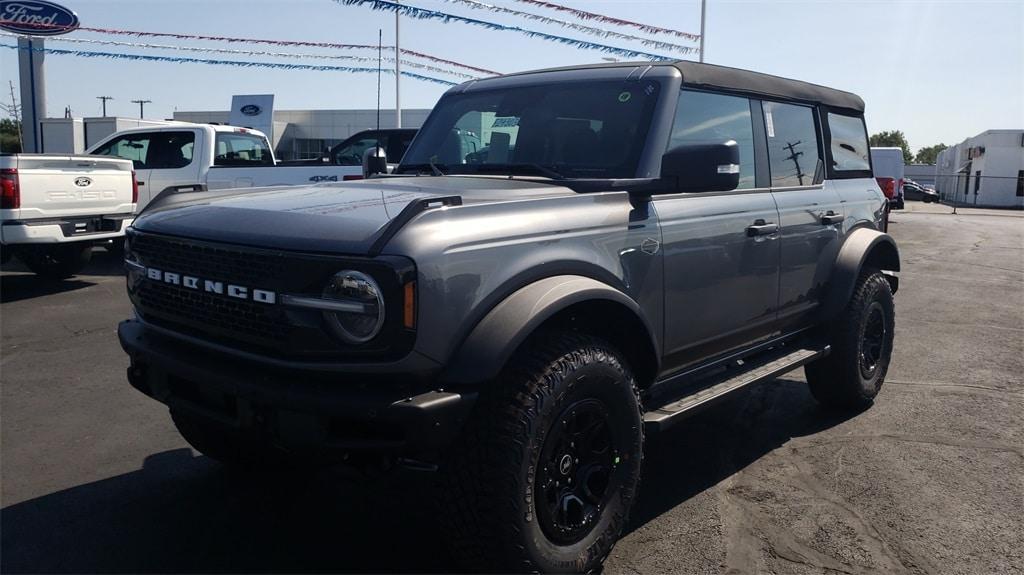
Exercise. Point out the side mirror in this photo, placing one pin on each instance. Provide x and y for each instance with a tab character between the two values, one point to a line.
702	167
375	162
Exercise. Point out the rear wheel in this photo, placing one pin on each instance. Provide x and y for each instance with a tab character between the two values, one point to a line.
547	470
861	340
56	261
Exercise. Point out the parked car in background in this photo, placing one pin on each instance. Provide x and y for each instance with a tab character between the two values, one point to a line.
915	191
54	208
639	241
190	157
887	165
350	151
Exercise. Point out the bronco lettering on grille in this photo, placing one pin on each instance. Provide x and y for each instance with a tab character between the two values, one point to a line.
211	286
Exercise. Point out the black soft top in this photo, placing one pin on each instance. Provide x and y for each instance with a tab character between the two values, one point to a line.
736	80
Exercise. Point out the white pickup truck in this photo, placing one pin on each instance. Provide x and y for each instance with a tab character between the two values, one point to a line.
54	208
187	157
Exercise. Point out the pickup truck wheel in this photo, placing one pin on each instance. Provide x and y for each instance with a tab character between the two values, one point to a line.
861	338
57	261
226	445
547	469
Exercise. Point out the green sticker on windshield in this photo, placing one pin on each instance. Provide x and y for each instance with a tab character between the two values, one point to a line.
625	96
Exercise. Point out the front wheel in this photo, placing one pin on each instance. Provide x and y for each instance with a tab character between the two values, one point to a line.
861	339
547	469
56	261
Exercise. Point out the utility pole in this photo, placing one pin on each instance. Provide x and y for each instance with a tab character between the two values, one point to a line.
703	14
398	73
794	155
141	104
105	98
15	113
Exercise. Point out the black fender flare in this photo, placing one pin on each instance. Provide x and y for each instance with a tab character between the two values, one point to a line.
863	246
506	326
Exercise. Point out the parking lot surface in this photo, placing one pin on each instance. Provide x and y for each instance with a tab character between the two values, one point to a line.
929	480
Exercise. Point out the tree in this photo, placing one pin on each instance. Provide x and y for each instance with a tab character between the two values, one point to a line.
10	135
930	154
894	139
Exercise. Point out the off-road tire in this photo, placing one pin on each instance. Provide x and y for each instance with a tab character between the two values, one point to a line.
56	261
842	379
490	495
229	446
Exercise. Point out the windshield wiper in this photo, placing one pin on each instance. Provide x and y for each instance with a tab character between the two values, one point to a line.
512	168
420	168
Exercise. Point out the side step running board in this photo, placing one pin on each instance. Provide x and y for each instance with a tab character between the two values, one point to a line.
756	370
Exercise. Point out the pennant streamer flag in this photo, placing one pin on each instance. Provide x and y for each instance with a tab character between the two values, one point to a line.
424	14
367	59
241	64
582	14
573	25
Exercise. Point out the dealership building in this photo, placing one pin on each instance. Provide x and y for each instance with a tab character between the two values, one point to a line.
985	170
305	134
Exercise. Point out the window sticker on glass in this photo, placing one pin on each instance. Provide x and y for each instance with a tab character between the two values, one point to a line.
625	96
769	123
505	122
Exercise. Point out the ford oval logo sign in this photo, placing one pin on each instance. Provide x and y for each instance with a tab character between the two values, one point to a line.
36	17
83	182
251	110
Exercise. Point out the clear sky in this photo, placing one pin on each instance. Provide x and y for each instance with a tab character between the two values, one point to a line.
938	70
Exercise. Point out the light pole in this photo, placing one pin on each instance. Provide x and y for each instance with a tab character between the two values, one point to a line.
398	73
141	104
703	14
104	98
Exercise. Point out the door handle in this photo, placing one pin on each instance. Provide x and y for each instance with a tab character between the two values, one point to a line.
832	218
762	228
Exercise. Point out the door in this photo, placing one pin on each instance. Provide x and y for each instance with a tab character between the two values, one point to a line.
160	158
720	249
172	160
810	212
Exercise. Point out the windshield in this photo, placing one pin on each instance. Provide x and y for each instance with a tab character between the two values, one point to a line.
591	129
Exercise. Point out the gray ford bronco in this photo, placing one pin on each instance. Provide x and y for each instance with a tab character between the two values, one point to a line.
564	262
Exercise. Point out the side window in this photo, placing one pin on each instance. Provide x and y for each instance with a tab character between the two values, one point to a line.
705	118
241	149
397	145
792	144
849	145
134	147
170	150
351	154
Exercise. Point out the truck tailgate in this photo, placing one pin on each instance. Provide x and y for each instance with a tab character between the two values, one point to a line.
56	186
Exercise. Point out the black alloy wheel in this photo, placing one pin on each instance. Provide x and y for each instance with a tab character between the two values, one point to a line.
576	472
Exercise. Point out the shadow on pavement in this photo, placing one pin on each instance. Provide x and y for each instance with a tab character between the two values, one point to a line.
182	513
20	283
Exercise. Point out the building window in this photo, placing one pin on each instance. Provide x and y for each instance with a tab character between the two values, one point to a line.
1020	183
977	181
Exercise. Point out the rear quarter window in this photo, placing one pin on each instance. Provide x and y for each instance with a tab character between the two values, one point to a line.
241	149
849	143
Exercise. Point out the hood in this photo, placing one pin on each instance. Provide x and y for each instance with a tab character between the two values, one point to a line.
333	218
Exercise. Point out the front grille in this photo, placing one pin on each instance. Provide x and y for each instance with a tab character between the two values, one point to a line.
237	265
269	329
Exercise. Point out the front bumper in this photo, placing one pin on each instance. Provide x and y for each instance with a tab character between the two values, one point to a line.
65	230
317	414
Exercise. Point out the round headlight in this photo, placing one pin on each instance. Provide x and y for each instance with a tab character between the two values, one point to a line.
359	314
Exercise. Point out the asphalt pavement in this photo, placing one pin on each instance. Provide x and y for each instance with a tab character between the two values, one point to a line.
94	477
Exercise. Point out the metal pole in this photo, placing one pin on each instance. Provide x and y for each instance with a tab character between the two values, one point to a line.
104	99
703	14
141	103
398	74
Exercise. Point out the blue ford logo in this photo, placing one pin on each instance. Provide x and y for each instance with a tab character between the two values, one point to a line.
36	17
251	110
